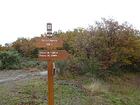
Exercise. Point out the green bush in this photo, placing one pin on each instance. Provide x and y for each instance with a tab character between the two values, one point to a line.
62	66
31	63
9	60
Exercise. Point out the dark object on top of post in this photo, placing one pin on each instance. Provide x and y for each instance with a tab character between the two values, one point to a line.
49	29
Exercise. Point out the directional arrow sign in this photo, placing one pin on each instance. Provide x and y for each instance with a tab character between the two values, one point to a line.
45	42
53	55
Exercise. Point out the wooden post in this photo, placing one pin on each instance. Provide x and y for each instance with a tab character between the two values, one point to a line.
50	43
50	83
50	55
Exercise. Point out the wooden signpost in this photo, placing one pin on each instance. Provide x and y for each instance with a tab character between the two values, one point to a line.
50	55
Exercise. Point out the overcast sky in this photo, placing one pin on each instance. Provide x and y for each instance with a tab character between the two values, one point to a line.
28	18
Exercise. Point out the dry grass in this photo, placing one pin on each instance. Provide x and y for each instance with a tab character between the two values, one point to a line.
96	87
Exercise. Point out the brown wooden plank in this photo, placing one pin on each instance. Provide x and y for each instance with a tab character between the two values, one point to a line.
45	42
53	55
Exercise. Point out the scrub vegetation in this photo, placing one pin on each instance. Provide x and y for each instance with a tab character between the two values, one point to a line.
104	67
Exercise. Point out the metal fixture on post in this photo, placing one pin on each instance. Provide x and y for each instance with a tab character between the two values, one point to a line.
49	29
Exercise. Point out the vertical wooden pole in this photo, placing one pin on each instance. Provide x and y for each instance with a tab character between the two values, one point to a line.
50	83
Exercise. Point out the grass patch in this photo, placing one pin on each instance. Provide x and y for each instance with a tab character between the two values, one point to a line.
35	93
118	91
124	90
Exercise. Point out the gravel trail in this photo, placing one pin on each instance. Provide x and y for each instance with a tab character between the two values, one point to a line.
17	75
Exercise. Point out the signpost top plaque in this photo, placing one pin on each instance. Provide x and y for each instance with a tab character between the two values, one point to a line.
45	42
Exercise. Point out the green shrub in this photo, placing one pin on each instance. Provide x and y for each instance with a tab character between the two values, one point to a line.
30	63
9	60
62	66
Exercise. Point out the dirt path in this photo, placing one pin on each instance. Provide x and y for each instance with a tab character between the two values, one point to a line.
17	75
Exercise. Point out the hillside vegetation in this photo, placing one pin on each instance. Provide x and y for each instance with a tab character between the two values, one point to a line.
105	48
103	69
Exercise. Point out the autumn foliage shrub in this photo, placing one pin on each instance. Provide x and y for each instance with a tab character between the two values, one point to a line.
107	47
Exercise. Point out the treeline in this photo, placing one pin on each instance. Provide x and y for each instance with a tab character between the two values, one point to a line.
104	48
